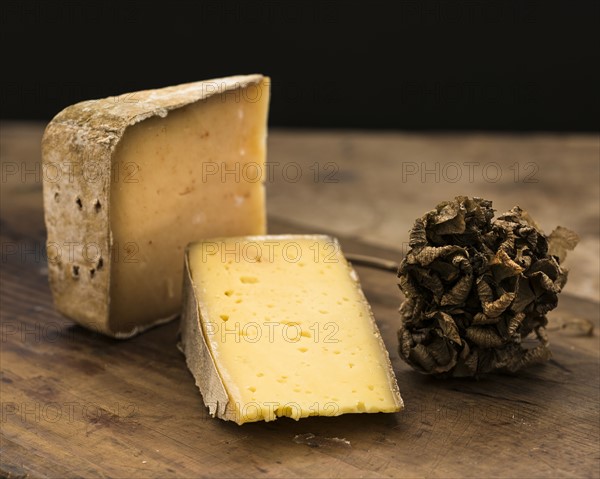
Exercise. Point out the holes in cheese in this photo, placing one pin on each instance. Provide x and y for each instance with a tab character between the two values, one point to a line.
141	176
287	349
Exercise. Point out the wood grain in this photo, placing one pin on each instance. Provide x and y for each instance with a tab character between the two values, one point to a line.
75	403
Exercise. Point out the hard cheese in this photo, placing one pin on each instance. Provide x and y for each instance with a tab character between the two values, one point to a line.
278	326
130	180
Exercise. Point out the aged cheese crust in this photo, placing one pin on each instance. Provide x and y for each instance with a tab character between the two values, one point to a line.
200	361
77	149
198	358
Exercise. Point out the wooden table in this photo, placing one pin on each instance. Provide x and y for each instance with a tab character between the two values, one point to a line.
75	403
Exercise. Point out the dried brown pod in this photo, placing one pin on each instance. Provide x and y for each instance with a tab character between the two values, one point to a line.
477	289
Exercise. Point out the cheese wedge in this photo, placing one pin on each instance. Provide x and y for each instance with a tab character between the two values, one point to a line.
129	181
278	326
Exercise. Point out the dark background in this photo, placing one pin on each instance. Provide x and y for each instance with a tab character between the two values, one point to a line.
445	65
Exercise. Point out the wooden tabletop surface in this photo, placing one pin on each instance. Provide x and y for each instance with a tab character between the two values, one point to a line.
77	404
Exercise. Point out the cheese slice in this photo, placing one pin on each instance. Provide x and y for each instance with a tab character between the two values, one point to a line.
130	180
278	326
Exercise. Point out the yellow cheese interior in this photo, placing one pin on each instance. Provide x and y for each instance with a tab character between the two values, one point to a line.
194	174
289	328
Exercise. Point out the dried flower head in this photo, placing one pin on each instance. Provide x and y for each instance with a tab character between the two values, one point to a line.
477	289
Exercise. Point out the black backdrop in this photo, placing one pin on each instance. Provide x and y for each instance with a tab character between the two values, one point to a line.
410	64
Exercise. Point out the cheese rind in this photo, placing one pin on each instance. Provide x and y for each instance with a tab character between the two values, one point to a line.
126	187
278	326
